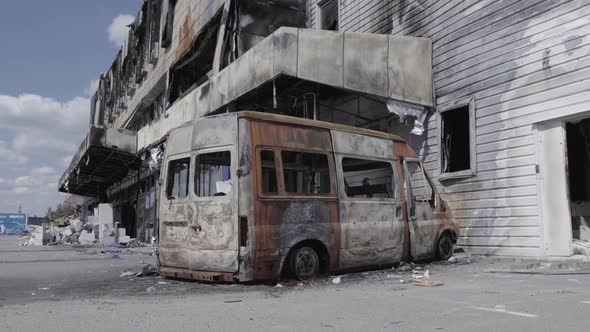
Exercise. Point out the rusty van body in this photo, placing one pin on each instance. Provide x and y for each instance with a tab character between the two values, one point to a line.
250	196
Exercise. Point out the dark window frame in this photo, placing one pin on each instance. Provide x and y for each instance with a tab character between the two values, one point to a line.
261	191
394	185
197	172
468	102
170	173
324	5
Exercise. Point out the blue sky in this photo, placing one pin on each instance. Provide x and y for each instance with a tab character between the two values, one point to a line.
54	48
52	54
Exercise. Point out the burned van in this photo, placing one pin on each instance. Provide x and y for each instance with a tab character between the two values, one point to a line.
251	196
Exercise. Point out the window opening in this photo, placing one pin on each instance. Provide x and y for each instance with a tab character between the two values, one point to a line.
213	176
368	178
306	173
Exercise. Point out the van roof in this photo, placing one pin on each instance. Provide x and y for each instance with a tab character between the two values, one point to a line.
315	123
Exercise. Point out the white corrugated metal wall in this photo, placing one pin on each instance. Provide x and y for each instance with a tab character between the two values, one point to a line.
523	61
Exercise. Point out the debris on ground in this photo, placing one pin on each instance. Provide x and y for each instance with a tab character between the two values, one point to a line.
452	259
336	280
405	267
279	286
424	280
581	247
151	289
147	271
127	274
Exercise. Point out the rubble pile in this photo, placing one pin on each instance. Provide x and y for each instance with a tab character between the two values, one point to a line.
99	228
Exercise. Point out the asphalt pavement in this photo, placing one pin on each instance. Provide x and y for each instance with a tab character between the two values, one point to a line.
95	289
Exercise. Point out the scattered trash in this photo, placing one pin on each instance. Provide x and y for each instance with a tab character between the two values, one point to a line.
300	284
336	280
402	281
44	288
110	251
581	247
452	259
279	286
162	283
115	257
151	289
33	294
424	280
127	274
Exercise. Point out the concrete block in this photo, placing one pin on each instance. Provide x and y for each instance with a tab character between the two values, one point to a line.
105	214
285	41
239	78
87	237
202	99
410	70
261	63
124	239
320	57
365	63
93	220
218	93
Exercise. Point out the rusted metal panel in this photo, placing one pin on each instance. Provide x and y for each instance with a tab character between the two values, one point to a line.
196	275
402	149
362	145
282	221
185	37
245	201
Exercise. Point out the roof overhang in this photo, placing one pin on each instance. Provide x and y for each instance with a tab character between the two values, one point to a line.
392	67
104	157
382	67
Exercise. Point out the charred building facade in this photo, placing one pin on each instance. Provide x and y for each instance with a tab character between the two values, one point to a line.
492	94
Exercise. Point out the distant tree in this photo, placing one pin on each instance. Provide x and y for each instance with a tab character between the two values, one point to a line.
62	210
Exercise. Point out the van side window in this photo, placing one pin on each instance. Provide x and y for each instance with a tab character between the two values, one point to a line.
368	178
212	174
269	172
306	173
421	188
177	183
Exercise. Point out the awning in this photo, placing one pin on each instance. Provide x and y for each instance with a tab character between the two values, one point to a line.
105	157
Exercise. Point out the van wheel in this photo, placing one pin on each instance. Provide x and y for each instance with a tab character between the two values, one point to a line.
304	263
445	246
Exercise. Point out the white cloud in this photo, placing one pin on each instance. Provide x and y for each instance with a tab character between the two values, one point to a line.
41	134
118	30
8	157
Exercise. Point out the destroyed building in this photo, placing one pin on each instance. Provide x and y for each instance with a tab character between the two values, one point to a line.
493	95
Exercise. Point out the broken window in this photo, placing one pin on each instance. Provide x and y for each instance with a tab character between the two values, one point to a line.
329	15
177	184
457	139
269	172
192	69
169	25
368	178
212	176
306	173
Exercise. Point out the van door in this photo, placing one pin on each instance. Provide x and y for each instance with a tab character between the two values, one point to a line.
420	200
212	229
172	212
371	211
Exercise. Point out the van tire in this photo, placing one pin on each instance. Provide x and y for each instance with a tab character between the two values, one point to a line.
304	263
444	247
